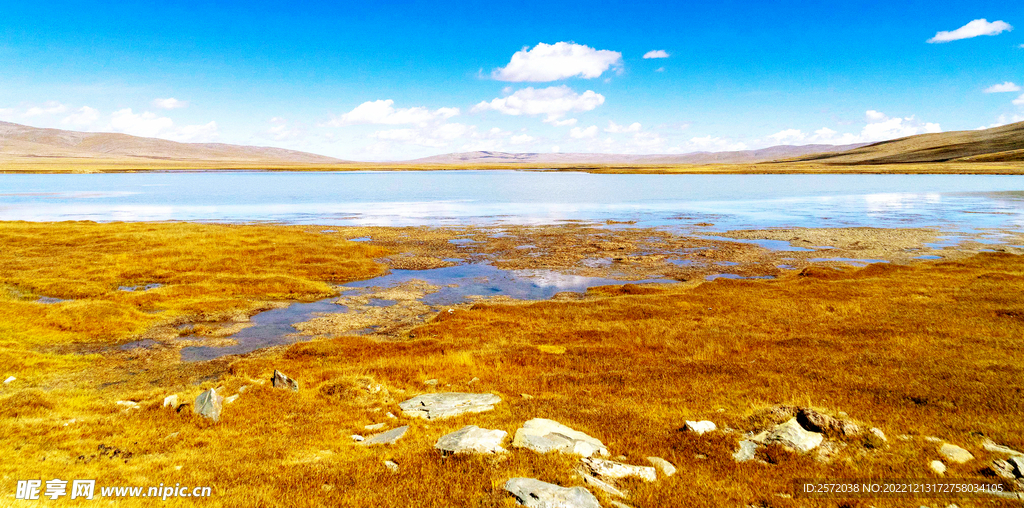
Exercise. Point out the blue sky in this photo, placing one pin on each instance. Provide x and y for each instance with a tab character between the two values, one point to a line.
398	80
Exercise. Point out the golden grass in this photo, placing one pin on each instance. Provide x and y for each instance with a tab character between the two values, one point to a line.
933	349
207	273
10	164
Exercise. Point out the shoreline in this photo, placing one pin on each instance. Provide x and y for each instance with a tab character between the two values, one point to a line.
58	166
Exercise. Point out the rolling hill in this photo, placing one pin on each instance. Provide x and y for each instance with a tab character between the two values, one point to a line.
735	157
19	141
998	144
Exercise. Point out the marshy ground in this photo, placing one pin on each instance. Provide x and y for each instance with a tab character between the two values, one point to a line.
919	348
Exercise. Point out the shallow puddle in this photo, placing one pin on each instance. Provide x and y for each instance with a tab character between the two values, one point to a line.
458	284
852	261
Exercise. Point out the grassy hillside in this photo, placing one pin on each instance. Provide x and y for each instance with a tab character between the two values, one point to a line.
998	144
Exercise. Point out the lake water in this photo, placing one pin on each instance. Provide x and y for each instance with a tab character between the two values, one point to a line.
956	202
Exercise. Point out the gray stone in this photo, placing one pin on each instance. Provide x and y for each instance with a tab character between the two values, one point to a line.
791	435
388	437
284	382
991	446
938	467
171	401
537	494
1018	465
955	454
617	470
542	435
700	427
209	404
1003	469
747	451
815	421
602	485
875	438
391	466
433	406
472	439
662	465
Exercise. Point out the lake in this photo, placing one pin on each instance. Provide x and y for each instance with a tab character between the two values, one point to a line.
385	198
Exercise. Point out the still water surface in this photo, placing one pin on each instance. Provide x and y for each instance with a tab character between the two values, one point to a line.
958	202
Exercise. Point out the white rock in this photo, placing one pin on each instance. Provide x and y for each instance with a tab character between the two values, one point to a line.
747	451
617	470
171	401
472	439
790	434
209	404
391	465
537	494
991	446
375	426
128	404
938	467
542	435
229	400
700	427
602	485
662	465
357	438
432	406
1018	465
954	453
10	380
430	382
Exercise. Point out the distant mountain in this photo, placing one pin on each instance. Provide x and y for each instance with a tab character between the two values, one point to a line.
20	140
737	157
997	144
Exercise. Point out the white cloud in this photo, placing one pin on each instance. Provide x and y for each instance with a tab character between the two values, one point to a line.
554	101
146	124
975	28
875	116
1004	119
169	103
1019	101
659	69
384	112
788	137
657	53
561	123
194	133
880	127
82	118
1003	87
580	133
521	139
615	128
551	62
714	143
281	129
50	108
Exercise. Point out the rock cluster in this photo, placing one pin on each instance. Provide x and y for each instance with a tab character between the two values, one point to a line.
537	494
542	435
284	382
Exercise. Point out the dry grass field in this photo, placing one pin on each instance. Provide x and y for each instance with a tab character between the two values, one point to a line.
993	166
932	349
